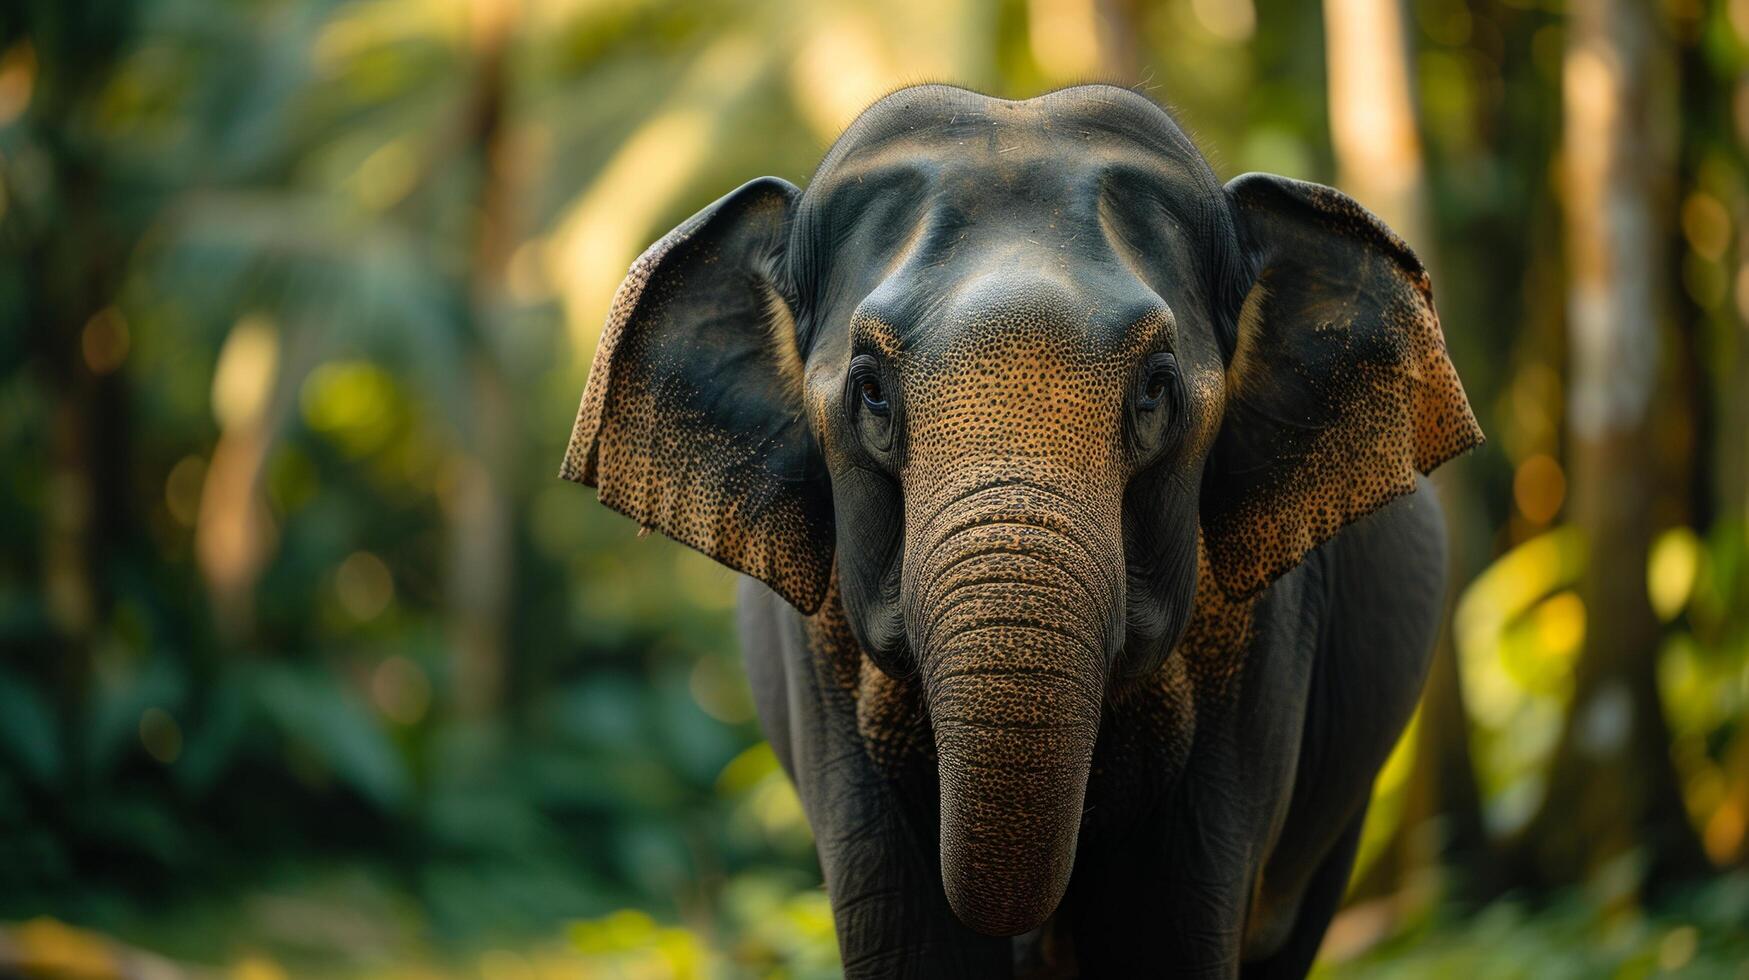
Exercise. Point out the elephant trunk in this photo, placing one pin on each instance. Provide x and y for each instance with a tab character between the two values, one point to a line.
1016	617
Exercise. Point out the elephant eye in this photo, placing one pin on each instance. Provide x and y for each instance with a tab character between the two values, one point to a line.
869	405
1157	381
873	397
1155	391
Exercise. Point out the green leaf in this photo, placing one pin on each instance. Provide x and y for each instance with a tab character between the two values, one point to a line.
310	706
27	730
213	743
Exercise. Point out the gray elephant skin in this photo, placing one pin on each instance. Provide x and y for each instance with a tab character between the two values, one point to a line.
1092	567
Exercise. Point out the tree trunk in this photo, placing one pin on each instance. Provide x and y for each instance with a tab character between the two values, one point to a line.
75	261
1079	40
1379	162
477	504
1612	789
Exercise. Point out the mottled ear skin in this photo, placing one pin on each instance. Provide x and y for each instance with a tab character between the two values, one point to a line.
1339	390
692	421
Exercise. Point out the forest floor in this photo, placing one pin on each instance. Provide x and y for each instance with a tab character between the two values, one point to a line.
378	936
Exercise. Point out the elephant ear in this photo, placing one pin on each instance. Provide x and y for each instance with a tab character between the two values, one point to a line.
692	420
1339	390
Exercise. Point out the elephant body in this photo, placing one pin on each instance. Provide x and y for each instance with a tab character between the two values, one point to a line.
1227	791
1098	573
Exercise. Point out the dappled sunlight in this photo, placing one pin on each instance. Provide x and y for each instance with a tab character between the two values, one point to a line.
841	65
849	54
364	585
1518	632
313	668
1503	622
1539	488
597	236
766	802
17	80
369	30
105	341
1064	35
1385	811
401	690
1233	21
243	378
1372	123
1671	570
353	403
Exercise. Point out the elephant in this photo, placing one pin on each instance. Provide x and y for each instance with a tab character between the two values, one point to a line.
1092	571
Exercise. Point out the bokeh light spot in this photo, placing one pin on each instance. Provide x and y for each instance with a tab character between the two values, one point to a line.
1738	13
256	967
1706	224
161	735
1671	570
386	176
364	585
17	80
401	690
1064	35
1678	948
182	489
837	71
1743	293
502	964
105	341
1560	624
244	376
54	949
1539	487
1723	837
352	403
721	691
1233	21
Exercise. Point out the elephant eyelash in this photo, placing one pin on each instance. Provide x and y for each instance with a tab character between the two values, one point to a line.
874	397
866	385
1158	416
1158	381
1154	391
869	405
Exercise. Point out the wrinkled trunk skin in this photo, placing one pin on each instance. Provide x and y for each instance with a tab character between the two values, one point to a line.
1015	611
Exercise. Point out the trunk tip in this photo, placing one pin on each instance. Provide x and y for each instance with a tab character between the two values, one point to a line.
1003	913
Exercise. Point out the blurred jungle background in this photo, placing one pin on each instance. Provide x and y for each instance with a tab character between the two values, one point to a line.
313	668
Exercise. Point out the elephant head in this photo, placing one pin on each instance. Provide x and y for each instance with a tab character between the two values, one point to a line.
1009	367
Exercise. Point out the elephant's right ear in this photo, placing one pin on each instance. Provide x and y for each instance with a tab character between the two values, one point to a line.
692	422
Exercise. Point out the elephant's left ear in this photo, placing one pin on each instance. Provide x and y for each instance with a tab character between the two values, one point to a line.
1339	390
692	421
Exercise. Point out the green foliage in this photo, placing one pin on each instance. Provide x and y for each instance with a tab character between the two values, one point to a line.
1699	936
308	658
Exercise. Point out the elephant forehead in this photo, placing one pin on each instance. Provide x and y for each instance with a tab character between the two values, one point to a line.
1028	341
1018	386
933	187
951	123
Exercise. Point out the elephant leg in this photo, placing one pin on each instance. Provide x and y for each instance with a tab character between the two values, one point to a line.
881	871
1168	899
1386	584
1145	929
892	916
1172	888
1318	906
